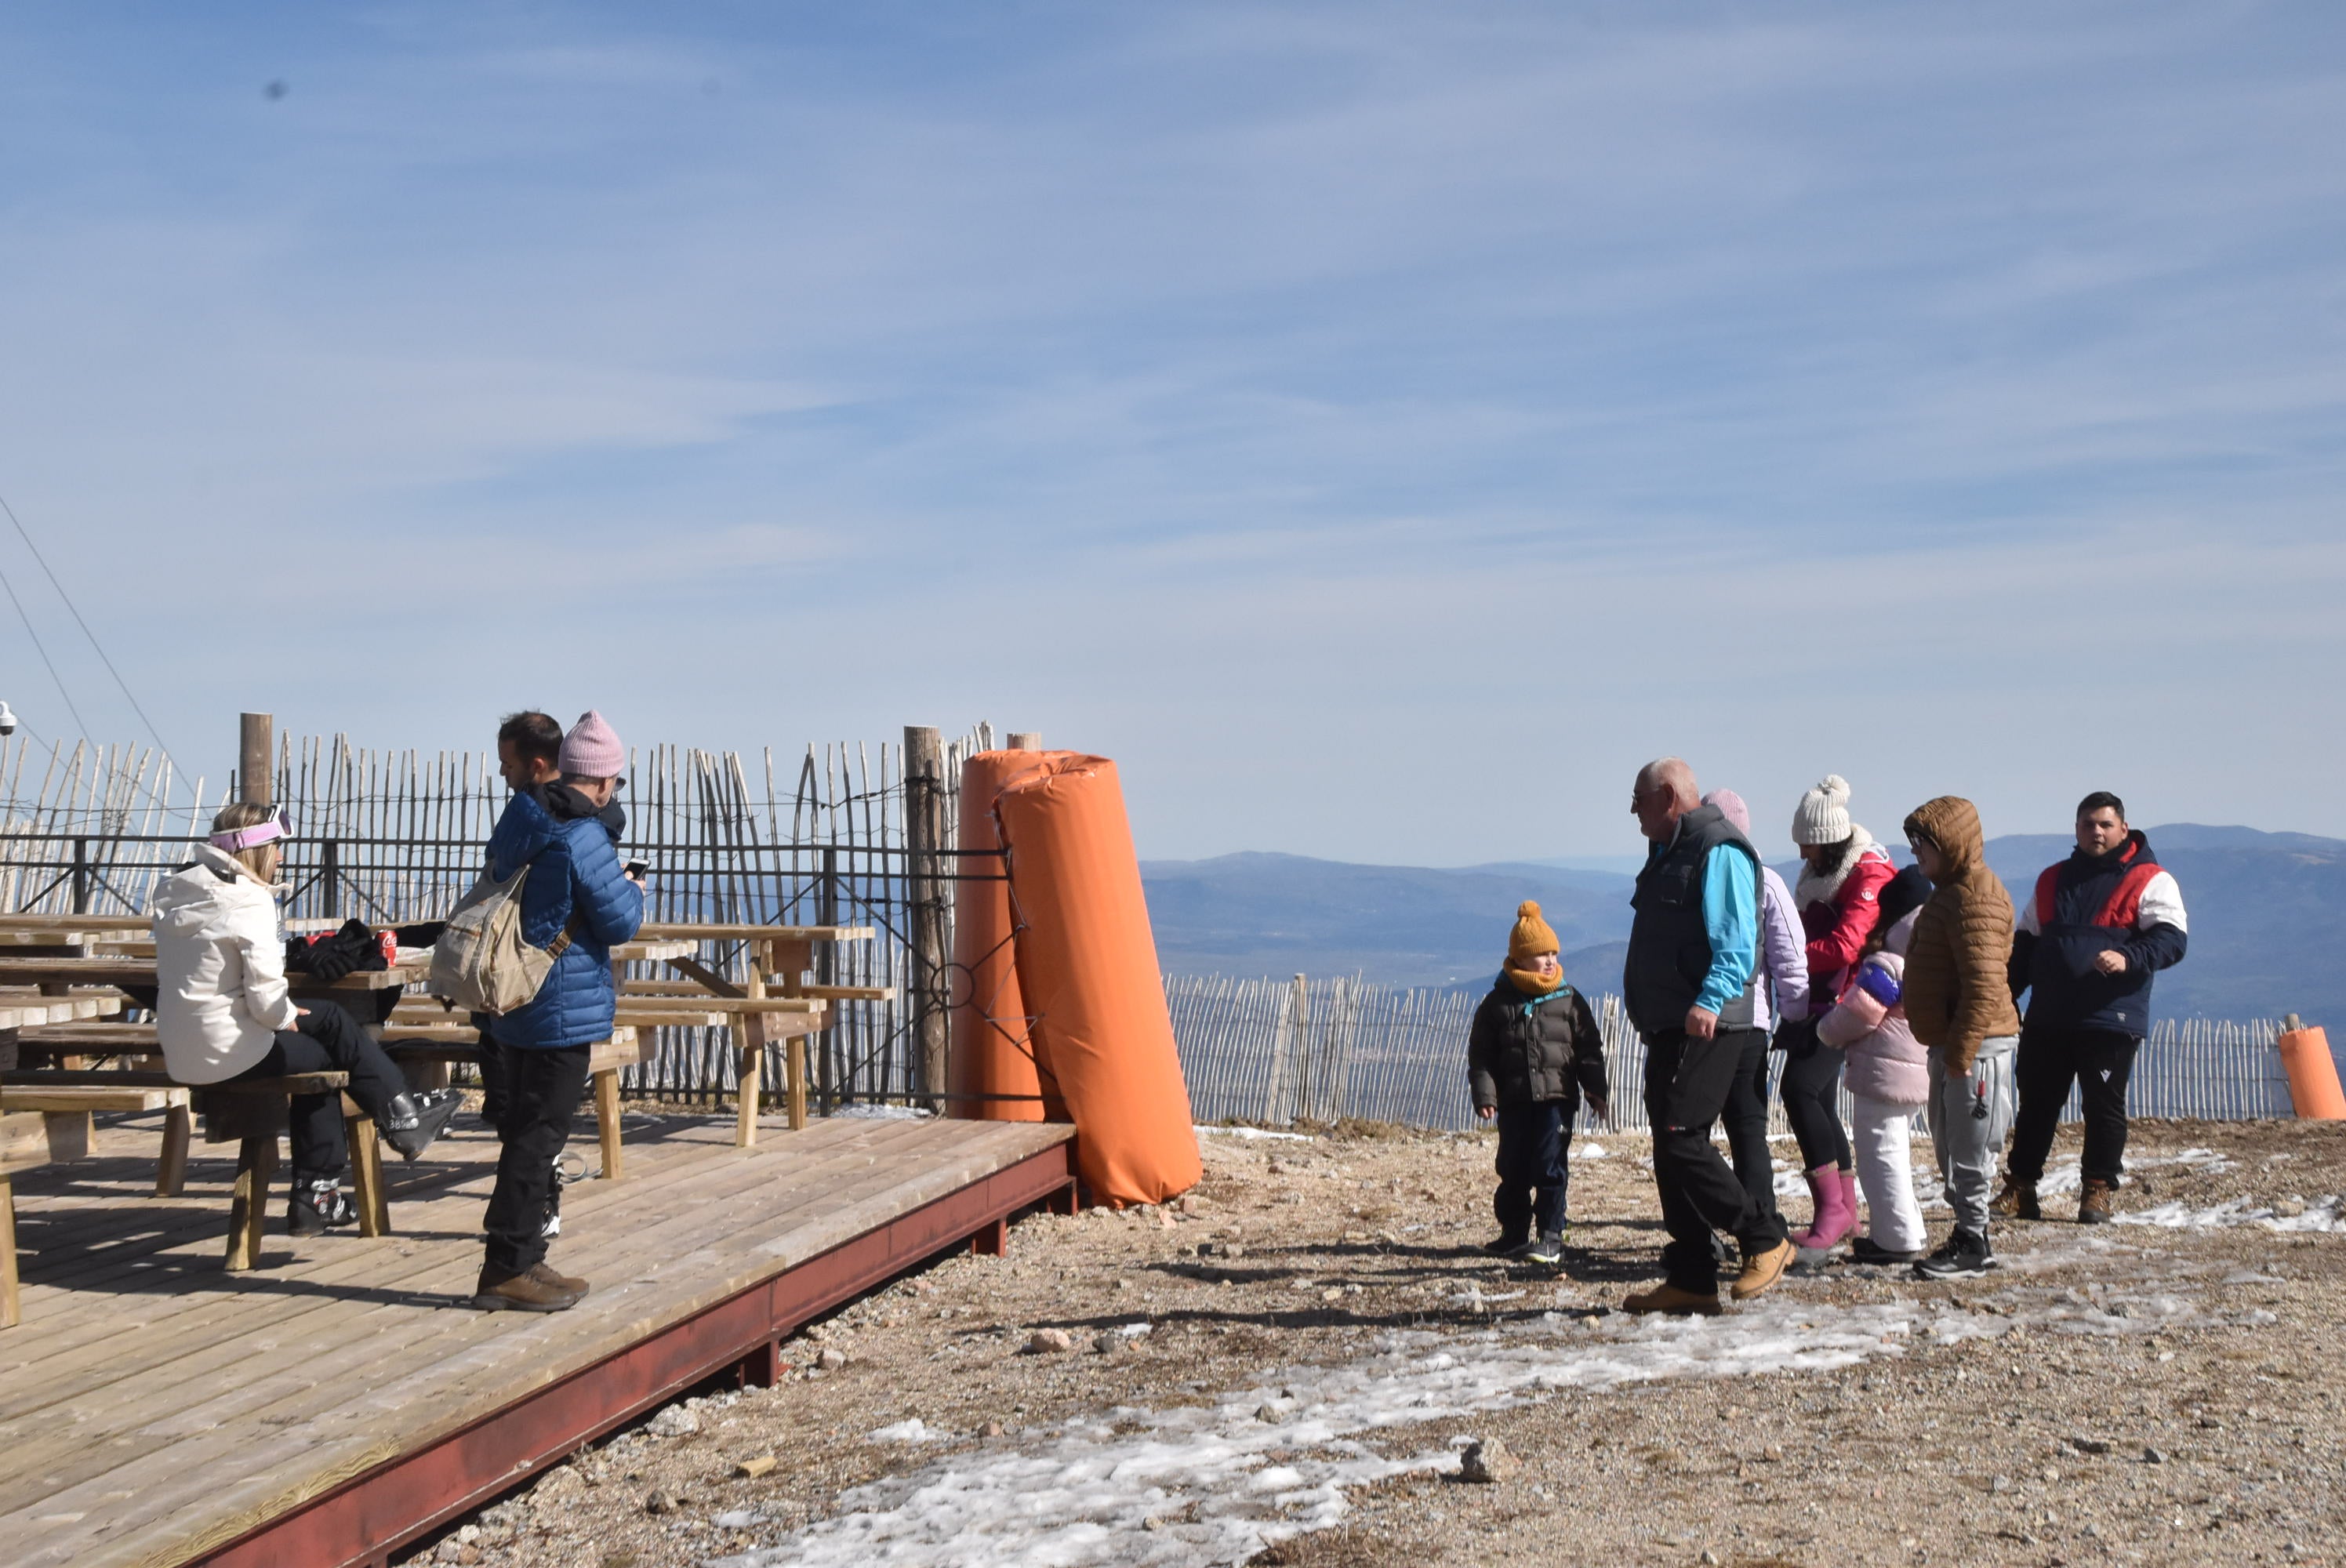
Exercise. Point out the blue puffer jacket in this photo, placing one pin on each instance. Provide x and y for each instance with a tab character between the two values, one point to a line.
575	881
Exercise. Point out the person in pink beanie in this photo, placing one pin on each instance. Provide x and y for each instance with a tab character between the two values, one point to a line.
592	751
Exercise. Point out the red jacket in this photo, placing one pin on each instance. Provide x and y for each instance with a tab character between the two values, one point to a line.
1839	913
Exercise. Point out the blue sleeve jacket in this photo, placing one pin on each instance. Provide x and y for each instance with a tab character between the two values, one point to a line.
1730	918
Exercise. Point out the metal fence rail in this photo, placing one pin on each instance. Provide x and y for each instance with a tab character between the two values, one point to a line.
1277	1051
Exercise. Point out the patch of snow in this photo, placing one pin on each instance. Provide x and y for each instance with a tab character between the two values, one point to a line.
873	1111
1222	1484
2322	1215
1255	1133
913	1430
1588	1151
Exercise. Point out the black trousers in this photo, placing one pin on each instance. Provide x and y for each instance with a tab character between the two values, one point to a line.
1686	1084
543	1088
1746	1121
326	1039
491	1058
1532	1177
1812	1086
2099	1062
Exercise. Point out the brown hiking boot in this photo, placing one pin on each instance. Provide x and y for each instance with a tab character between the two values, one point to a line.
1667	1298
2016	1201
1760	1273
544	1273
2093	1203
521	1293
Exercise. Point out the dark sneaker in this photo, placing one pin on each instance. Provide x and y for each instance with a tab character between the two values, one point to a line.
2094	1204
1507	1245
522	1293
1965	1255
2016	1201
414	1120
1547	1249
319	1205
1863	1251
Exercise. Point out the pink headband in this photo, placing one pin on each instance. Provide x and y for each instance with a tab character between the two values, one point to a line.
259	833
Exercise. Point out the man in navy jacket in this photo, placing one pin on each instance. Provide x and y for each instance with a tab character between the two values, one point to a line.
2098	925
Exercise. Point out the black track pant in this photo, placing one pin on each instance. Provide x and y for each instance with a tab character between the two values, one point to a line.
1811	1085
541	1091
2099	1062
1686	1084
1532	1177
326	1039
1746	1121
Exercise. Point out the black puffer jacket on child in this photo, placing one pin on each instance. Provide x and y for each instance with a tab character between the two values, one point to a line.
1524	1049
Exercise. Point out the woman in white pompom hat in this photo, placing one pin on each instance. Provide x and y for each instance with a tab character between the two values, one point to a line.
1838	898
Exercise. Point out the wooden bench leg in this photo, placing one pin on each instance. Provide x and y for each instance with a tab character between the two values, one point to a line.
366	1177
10	1315
248	1211
794	1059
753	1065
171	1170
607	1122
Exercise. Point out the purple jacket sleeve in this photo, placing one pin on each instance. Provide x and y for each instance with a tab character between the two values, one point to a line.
1784	946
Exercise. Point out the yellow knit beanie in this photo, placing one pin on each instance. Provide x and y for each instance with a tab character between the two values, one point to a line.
1531	937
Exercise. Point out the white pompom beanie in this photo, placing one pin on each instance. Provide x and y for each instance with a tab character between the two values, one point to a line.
1824	815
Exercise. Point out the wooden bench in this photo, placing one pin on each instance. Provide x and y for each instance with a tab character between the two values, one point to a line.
28	1139
83	1101
446	1043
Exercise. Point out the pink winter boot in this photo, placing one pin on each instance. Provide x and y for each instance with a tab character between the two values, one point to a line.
1849	1197
1835	1214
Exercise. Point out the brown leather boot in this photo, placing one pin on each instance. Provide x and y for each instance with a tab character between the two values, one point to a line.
2016	1201
544	1273
2093	1205
521	1293
1761	1272
1667	1298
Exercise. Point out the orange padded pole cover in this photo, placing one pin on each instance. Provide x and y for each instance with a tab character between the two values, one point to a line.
1088	971
990	1053
2312	1076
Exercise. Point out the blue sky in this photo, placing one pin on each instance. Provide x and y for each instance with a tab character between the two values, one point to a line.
1380	428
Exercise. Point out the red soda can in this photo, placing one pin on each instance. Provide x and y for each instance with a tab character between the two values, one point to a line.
389	942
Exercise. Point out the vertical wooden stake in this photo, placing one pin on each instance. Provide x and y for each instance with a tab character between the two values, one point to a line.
607	1122
256	765
171	1170
248	1211
1025	740
926	832
749	1032
366	1176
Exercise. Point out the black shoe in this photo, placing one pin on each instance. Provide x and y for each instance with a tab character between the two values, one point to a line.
1508	1244
319	1205
1965	1255
414	1120
1862	1250
1548	1249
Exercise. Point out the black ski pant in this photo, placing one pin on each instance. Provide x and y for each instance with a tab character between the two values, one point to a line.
1810	1087
327	1039
2099	1062
543	1088
1687	1086
1533	1178
1746	1121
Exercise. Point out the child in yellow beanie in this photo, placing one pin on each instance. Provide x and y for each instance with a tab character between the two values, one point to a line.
1533	1052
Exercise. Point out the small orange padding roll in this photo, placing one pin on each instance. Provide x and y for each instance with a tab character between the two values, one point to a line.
1088	971
990	1053
2312	1073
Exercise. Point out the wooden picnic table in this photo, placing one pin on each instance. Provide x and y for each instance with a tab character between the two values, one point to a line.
126	971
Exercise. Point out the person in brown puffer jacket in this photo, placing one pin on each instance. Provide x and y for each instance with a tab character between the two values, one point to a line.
1958	1001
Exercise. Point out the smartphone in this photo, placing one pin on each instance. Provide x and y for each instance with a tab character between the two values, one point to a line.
637	869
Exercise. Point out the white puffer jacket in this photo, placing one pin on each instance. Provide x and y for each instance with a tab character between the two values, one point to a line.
219	970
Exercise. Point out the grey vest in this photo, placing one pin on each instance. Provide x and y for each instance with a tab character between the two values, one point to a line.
1670	949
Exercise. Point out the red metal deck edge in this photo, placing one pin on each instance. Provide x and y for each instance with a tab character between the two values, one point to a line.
358	1523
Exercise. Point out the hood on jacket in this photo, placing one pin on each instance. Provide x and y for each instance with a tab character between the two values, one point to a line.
2133	851
1815	889
1952	823
1902	932
197	900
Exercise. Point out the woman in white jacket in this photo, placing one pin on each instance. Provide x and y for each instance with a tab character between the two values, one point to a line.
222	1012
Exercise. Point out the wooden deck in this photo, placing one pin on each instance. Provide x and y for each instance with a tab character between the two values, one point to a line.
157	1410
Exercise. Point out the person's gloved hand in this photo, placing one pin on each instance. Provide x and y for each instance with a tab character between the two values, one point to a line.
331	959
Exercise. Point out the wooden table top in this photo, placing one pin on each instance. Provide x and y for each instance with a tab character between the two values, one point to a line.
142	971
723	933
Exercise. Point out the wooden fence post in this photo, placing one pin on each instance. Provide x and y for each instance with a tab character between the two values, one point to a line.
256	766
1025	740
926	832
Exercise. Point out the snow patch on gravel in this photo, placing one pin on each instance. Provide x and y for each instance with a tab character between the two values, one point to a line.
1255	1133
2322	1215
1215	1483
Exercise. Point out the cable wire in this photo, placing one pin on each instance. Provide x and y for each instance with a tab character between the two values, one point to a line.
75	611
42	648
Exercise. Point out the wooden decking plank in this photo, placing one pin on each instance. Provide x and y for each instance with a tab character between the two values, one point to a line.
548	1346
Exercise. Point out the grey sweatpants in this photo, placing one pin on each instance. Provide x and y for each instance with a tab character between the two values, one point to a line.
1964	1141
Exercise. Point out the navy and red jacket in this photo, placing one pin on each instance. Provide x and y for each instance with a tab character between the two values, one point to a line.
2084	907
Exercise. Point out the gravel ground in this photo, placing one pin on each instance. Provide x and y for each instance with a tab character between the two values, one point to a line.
1285	1368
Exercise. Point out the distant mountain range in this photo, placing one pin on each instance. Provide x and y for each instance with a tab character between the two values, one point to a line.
2268	916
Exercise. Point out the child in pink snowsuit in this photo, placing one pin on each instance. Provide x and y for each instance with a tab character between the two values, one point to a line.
1888	1077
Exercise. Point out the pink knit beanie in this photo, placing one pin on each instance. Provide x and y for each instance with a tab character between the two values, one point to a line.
1732	807
592	749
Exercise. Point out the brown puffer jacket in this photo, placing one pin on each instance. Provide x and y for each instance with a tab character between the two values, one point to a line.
1956	991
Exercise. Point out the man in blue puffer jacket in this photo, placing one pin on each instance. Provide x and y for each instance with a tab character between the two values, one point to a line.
576	902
